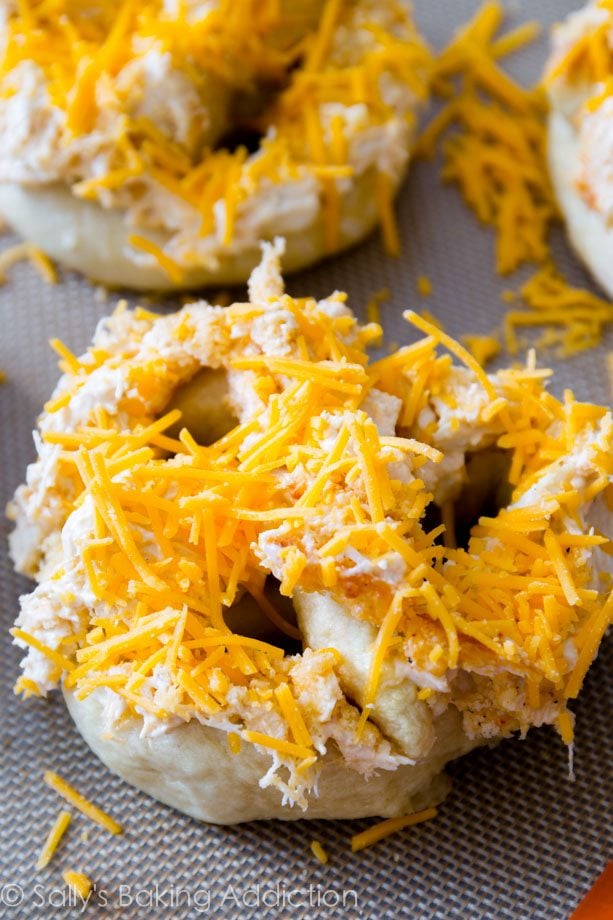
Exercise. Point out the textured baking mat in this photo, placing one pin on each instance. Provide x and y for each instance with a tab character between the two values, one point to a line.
516	838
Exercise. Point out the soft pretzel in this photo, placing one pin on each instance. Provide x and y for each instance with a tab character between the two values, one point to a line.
129	158
580	139
155	556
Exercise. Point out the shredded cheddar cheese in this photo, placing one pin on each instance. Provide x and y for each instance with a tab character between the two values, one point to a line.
424	286
54	837
574	319
588	59
81	803
22	252
171	268
374	303
391	826
483	348
319	853
492	135
79	882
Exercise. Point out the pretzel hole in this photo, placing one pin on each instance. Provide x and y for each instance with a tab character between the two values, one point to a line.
486	489
266	615
205	407
242	136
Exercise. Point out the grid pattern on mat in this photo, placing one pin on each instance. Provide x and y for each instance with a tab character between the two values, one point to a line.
514	840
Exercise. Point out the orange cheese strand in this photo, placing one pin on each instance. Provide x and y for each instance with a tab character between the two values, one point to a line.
27	252
380	649
54	837
573	319
597	627
390	826
174	271
318	852
493	137
79	882
455	347
63	663
81	803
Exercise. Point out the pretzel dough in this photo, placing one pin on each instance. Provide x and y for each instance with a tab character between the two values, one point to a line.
190	768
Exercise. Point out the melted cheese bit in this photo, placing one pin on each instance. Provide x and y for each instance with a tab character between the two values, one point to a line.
81	803
373	311
424	286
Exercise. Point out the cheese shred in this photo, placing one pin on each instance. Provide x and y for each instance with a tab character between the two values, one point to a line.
79	882
492	135
79	802
319	853
391	826
54	837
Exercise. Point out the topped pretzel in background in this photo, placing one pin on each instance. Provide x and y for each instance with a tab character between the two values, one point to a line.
579	79
155	144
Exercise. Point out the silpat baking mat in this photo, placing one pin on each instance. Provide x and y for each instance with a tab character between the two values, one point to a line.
515	839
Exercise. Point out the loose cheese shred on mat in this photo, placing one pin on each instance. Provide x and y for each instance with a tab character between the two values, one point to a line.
376	833
22	252
492	136
482	347
318	852
43	264
373	314
79	882
424	286
53	839
573	318
81	803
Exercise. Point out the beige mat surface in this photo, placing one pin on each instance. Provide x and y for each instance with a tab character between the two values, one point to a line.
516	838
